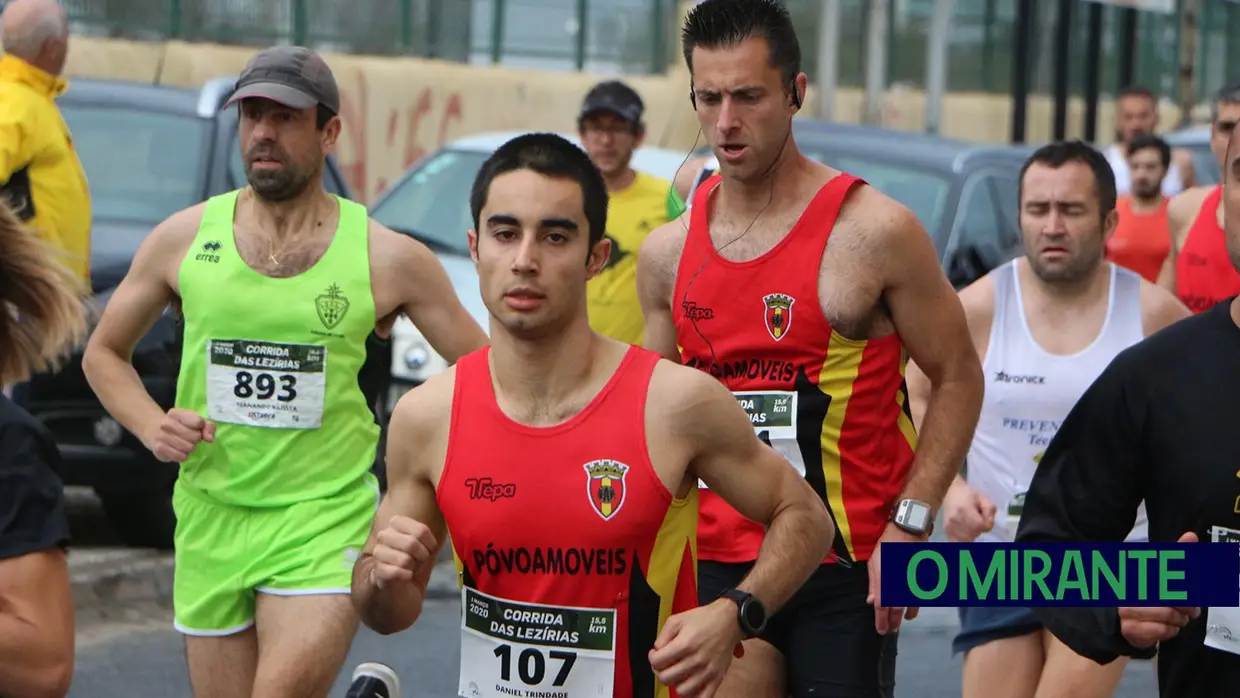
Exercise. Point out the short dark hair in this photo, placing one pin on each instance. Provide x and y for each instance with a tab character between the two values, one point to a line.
1229	94
549	155
1138	91
724	23
1060	153
1152	141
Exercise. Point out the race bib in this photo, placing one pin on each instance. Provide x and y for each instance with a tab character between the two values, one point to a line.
266	384
1014	509
1223	624
520	649
773	415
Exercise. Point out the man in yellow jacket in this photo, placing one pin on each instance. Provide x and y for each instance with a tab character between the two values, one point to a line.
611	128
40	175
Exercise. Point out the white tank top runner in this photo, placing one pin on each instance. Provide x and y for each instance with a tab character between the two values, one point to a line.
1029	393
1172	184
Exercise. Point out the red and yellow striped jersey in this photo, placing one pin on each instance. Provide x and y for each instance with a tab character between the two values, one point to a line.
836	408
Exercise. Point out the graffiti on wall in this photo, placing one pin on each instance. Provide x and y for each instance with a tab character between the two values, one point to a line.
371	159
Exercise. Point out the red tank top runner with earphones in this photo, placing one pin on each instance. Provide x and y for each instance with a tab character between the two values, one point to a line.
835	407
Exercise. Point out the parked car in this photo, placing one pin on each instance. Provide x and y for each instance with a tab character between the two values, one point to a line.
431	203
1196	139
148	151
964	194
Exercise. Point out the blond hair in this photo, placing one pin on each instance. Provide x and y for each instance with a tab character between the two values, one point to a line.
43	314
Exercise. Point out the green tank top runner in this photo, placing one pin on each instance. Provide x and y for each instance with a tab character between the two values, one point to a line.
274	363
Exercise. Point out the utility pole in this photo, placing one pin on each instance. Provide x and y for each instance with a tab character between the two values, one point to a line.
828	57
1190	28
936	62
875	60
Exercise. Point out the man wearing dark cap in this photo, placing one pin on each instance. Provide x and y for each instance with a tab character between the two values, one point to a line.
279	285
611	128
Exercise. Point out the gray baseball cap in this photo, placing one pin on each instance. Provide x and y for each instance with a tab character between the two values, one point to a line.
293	76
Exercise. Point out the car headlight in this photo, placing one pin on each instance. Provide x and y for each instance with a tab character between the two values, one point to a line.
413	359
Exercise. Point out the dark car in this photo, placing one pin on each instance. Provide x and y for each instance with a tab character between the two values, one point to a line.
964	194
148	151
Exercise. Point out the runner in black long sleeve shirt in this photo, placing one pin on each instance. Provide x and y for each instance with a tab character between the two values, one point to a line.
1159	425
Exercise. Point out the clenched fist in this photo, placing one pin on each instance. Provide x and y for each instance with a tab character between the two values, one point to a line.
402	549
967	513
1144	627
178	434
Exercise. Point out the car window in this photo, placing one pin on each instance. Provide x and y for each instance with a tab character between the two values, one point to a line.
987	216
141	166
923	191
432	204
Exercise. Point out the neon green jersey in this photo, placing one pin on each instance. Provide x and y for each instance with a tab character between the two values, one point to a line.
274	363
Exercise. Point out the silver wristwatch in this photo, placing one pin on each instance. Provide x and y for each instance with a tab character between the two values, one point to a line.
914	516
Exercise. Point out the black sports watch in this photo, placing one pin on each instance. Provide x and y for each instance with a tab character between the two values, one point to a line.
750	612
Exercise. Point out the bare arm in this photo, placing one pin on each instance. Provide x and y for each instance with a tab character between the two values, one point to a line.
1181	210
416	447
1159	308
36	626
134	308
36	605
758	483
931	322
430	302
978	301
656	278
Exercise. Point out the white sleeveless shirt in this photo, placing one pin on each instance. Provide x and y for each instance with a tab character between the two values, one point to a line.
1030	391
1172	184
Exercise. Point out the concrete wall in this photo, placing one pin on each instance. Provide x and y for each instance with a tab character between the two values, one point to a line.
396	109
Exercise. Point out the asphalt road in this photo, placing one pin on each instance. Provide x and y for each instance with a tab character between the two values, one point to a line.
146	659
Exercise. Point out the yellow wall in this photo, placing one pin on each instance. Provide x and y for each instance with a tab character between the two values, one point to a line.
396	109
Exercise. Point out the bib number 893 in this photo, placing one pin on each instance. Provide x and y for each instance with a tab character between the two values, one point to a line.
263	386
532	665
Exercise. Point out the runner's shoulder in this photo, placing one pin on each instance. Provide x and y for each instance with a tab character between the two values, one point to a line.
1187	203
661	249
424	412
172	238
394	249
1159	307
685	388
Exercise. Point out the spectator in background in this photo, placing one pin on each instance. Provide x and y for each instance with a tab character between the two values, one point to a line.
36	605
1198	268
40	176
1142	240
611	129
1136	115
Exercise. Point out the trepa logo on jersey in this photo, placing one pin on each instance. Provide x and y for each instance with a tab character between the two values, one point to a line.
605	486
778	314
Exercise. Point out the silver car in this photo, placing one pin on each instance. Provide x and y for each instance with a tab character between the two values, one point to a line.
431	203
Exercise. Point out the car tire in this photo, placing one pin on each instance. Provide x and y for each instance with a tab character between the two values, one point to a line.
141	518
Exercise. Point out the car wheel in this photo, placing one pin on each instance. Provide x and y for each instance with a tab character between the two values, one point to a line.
141	518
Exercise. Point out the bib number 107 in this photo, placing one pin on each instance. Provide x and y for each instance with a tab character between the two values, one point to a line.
532	665
263	386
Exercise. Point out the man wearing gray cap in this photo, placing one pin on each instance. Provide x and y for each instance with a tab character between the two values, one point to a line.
279	285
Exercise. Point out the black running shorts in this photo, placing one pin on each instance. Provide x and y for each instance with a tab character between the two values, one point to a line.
825	632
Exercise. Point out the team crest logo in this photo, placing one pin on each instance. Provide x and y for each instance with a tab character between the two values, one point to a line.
332	306
778	314
605	486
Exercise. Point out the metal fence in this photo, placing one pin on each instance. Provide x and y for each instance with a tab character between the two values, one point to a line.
638	36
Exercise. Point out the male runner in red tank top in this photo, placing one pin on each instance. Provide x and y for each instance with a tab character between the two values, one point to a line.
564	467
800	288
1198	269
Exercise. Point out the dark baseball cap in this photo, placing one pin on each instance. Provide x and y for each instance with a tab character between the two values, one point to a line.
291	75
615	97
